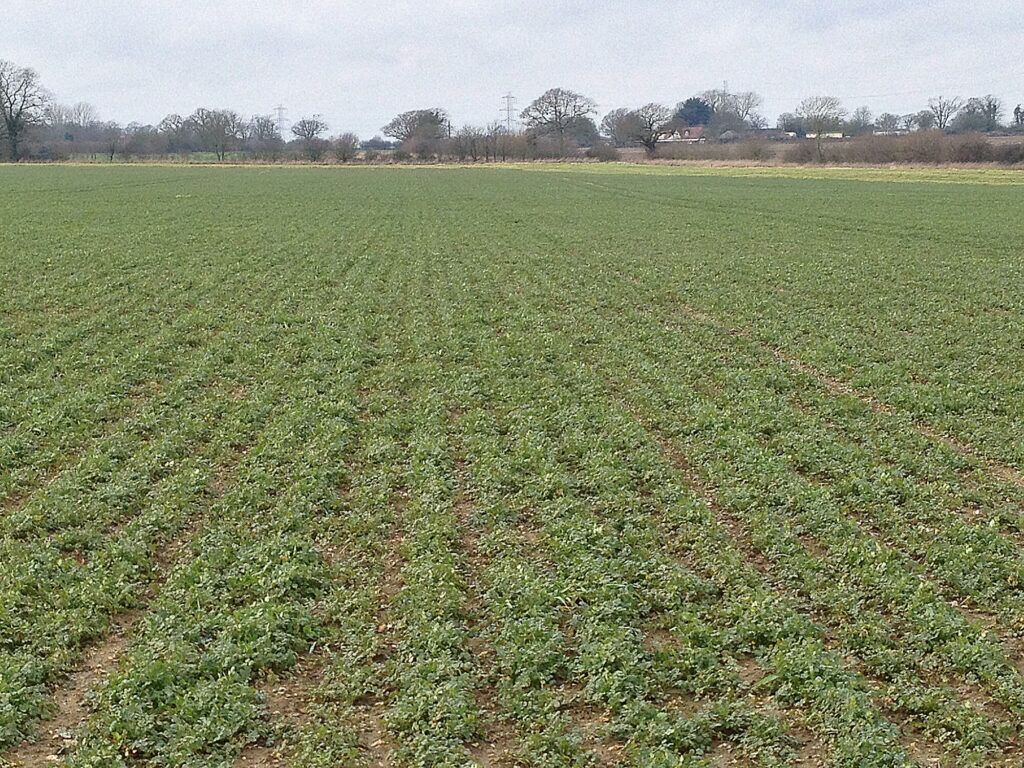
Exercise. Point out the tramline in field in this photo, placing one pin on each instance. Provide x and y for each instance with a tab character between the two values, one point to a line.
546	466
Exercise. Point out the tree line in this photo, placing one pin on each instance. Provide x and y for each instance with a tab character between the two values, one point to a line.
558	123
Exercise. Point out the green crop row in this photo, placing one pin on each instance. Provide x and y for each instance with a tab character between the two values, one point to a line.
521	466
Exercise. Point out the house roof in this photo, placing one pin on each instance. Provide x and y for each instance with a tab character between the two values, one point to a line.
687	133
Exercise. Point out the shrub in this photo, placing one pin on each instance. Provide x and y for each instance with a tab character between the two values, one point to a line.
929	147
803	153
604	152
751	149
346	147
971	148
866	149
922	147
755	149
1009	154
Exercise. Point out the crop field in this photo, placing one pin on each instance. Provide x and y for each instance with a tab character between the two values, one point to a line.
519	466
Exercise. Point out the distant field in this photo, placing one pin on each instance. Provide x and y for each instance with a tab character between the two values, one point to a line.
544	466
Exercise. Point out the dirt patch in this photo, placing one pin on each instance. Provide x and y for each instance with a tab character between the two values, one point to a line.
809	750
498	744
14	501
260	757
750	671
369	716
592	722
17	499
100	658
923	751
374	739
227	473
71	703
287	700
657	639
723	755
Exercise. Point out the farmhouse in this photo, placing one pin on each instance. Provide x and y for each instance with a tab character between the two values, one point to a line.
691	134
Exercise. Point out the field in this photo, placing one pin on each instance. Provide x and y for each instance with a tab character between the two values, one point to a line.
522	466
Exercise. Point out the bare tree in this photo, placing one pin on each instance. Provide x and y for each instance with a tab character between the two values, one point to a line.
944	110
262	128
309	131
990	107
172	123
619	126
419	123
83	114
112	136
71	129
177	132
862	121
979	114
732	111
403	126
501	142
792	123
494	144
745	104
717	98
309	128
556	112
653	122
821	114
57	115
262	137
141	140
888	122
346	147
217	130
80	115
925	120
470	142
22	101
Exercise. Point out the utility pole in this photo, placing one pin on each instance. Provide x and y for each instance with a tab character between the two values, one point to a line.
510	111
280	110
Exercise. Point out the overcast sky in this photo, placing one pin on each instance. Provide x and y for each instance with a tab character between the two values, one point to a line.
359	63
